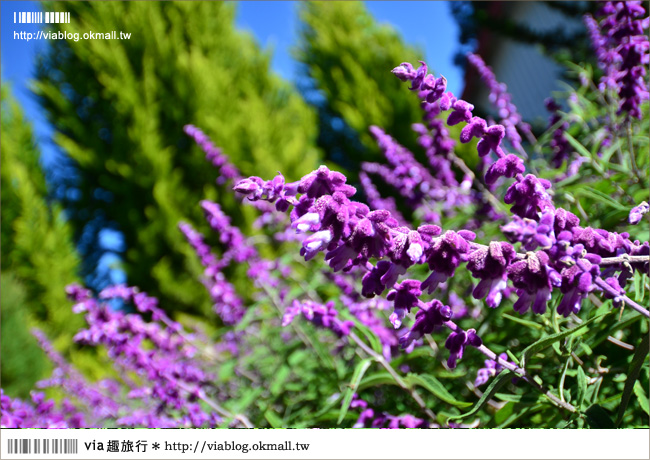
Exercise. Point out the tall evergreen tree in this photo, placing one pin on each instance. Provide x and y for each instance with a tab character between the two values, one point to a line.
38	256
119	107
347	57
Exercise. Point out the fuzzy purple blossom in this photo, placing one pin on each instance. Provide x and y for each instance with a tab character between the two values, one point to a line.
456	343
637	213
428	317
490	266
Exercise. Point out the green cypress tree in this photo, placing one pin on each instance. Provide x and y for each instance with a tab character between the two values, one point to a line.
38	257
119	106
347	58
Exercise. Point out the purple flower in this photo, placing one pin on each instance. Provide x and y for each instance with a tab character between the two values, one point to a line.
428	317
534	279
456	343
528	196
324	182
530	233
508	166
578	280
622	46
492	369
445	255
491	140
213	154
637	213
461	111
405	296
490	265
404	71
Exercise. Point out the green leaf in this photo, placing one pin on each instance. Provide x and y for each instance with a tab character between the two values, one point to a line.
433	385
641	397
273	419
601	197
523	322
361	369
504	413
372	338
547	341
582	150
380	378
597	417
582	387
640	357
497	383
280	377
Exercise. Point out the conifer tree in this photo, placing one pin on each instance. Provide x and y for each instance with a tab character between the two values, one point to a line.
119	107
38	256
347	57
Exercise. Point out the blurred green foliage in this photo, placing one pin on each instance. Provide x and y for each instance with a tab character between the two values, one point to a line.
347	57
38	256
119	107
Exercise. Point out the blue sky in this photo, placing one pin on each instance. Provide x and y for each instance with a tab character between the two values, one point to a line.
274	24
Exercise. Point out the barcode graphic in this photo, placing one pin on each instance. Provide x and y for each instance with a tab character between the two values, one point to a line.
51	17
43	446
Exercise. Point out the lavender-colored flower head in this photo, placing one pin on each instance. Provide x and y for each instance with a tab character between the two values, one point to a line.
534	280
637	213
445	255
490	265
456	343
404	296
577	279
428	317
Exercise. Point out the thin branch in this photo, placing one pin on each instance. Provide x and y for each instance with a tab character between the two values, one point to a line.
635	306
402	384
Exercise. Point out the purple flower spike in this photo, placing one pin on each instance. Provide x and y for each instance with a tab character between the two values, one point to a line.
324	182
405	296
324	316
426	319
456	343
419	77
637	213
